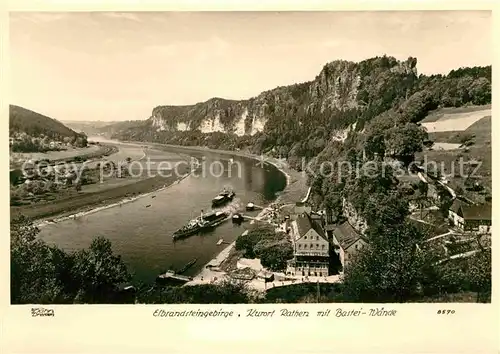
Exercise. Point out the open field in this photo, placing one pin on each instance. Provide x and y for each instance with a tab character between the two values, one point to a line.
445	146
67	201
96	196
481	130
449	111
450	122
57	155
91	152
454	127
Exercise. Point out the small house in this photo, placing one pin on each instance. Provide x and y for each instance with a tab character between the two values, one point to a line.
347	242
469	217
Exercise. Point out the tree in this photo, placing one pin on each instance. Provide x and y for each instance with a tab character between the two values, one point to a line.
248	241
479	274
423	187
33	274
375	130
417	106
385	209
275	256
389	269
43	274
375	144
480	91
333	202
463	275
98	272
404	141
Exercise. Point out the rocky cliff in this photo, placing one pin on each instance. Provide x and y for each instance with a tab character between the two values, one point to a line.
299	121
337	87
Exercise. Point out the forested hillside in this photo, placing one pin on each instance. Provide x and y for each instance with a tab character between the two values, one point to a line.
304	120
22	120
33	132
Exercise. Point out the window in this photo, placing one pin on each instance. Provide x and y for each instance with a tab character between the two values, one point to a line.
323	246
305	237
317	245
300	246
317	238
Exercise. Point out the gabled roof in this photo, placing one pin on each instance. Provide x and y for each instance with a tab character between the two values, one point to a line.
305	223
346	235
477	212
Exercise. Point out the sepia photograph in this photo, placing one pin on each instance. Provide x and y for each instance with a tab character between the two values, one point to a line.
250	158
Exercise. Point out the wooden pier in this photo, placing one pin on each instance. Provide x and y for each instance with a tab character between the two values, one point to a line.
170	277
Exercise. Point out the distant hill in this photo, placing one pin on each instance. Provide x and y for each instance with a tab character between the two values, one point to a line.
117	127
87	127
22	120
102	128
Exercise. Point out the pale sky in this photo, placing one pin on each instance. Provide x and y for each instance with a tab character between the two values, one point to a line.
118	66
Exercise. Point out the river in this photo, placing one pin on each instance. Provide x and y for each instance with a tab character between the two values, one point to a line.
142	235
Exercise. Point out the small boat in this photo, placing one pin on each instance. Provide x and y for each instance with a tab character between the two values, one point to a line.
250	206
220	242
154	196
170	277
147	206
187	266
223	197
237	218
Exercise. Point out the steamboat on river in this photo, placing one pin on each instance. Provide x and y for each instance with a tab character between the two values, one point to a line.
203	223
223	197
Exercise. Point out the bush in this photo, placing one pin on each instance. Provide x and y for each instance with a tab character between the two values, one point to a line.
306	292
273	248
226	293
248	242
274	256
